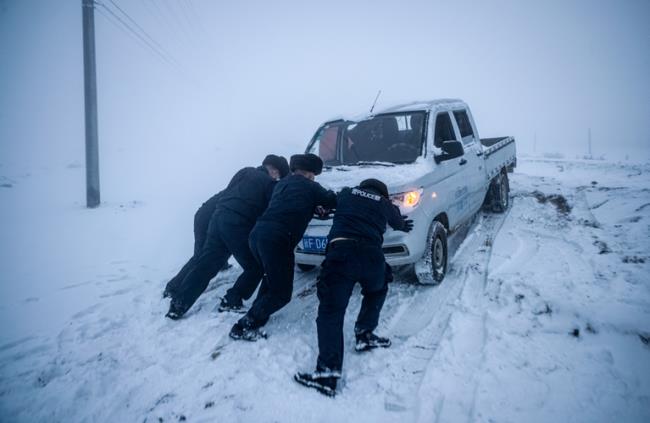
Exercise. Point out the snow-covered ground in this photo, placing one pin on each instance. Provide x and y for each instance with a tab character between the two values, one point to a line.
544	315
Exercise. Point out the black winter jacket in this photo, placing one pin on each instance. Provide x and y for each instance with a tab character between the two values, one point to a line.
292	205
247	194
363	214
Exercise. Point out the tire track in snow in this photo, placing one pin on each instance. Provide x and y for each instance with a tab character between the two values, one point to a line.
473	329
426	320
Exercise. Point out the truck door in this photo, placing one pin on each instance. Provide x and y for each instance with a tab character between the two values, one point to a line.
453	184
476	175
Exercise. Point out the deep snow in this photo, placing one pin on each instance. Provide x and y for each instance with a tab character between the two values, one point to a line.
544	315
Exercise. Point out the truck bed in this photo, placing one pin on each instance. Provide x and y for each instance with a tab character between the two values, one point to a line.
489	142
499	153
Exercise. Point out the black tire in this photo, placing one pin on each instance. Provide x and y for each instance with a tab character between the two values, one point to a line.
431	270
439	252
305	267
500	188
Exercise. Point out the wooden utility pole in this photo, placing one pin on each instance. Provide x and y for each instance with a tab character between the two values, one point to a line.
90	100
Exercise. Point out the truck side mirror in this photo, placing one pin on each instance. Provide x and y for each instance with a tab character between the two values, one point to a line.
450	150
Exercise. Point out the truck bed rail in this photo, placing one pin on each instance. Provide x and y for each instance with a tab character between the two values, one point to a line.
495	144
489	142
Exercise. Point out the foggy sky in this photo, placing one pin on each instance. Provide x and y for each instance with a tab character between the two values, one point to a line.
256	77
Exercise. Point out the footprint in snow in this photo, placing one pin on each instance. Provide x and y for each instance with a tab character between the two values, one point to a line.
74	285
86	311
16	343
116	293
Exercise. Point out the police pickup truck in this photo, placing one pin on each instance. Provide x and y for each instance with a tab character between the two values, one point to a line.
437	169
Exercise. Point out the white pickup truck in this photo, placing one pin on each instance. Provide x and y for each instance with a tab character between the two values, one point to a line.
437	169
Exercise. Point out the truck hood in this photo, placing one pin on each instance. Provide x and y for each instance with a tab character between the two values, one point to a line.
397	178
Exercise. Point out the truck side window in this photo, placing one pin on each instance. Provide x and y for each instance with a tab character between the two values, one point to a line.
325	144
465	126
444	130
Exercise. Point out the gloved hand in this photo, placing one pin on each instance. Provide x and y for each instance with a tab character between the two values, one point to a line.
408	224
322	213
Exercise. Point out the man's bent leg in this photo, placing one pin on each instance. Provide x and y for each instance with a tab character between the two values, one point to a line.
276	255
374	288
172	286
248	281
212	258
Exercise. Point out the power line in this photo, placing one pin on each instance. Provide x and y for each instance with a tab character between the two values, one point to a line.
120	27
169	23
177	21
152	45
153	48
158	14
195	15
141	29
196	24
185	13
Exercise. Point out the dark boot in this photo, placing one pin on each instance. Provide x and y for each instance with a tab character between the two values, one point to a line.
229	305
245	330
176	310
323	381
167	293
367	341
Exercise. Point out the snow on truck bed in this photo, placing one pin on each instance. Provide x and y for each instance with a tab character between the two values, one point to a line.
544	316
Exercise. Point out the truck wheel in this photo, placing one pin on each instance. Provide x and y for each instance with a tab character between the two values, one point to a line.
500	193
305	267
432	268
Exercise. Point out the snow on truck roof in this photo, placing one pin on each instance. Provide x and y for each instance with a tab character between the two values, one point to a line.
406	107
421	105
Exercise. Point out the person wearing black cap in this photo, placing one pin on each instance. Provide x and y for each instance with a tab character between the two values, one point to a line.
275	236
236	210
354	254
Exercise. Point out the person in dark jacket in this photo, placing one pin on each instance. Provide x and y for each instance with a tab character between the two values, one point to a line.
236	211
201	222
354	254
276	234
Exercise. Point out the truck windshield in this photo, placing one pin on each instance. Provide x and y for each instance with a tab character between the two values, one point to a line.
387	138
383	139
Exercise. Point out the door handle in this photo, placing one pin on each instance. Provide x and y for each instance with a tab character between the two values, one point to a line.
462	162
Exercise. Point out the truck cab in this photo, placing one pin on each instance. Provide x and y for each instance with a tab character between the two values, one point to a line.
437	170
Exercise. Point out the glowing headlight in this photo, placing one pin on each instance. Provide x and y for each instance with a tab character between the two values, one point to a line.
408	199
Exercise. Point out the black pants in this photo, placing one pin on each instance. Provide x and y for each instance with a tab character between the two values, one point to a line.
346	263
201	222
273	247
227	234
